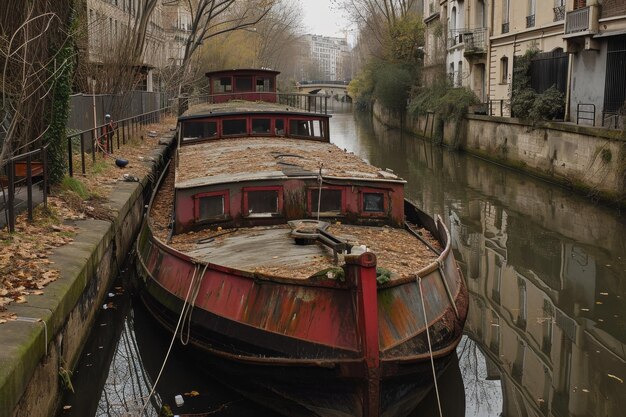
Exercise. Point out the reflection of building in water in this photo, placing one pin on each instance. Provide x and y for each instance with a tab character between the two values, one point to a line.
545	312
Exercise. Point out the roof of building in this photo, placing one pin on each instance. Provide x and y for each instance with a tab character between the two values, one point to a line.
261	158
241	71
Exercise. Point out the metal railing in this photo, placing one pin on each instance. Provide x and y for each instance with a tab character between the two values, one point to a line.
21	171
559	13
499	108
613	120
577	20
505	27
455	36
307	102
107	135
530	21
586	111
475	41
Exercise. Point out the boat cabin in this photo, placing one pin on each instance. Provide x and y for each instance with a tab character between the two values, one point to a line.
243	84
254	181
250	119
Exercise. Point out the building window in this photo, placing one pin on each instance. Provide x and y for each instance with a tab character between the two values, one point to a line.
331	203
262	201
373	202
211	206
504	70
264	85
234	127
198	130
261	126
505	15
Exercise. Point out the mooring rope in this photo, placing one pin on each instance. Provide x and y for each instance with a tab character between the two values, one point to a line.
169	349
430	348
190	306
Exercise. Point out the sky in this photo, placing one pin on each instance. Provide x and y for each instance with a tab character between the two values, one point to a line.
320	19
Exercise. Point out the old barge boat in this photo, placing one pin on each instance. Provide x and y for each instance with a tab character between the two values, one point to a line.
298	270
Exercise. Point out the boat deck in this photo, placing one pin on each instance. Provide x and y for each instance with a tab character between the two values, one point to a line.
230	160
272	251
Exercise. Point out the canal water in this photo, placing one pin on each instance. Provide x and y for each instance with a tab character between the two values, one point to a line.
546	271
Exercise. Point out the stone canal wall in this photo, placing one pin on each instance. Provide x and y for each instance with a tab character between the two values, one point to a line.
589	160
46	340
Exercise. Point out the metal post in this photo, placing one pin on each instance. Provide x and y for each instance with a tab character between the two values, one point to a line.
44	158
70	164
82	152
93	145
29	187
117	136
501	107
11	196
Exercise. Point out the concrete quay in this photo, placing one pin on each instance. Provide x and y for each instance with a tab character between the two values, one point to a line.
46	340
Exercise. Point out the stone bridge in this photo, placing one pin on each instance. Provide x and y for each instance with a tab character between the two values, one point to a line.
329	88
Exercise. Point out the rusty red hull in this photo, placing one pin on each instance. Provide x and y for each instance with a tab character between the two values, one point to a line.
327	348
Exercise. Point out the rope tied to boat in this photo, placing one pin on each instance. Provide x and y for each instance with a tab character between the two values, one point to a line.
188	308
430	347
169	349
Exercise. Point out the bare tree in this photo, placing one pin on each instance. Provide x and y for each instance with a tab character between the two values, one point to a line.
30	32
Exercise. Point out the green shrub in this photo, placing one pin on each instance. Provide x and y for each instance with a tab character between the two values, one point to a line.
449	103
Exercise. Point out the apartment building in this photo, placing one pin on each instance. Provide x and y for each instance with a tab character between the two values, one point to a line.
595	34
518	26
327	54
434	42
109	26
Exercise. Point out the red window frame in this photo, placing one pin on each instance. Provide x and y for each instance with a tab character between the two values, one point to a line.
322	126
246	190
196	205
221	126
311	210
385	193
271	119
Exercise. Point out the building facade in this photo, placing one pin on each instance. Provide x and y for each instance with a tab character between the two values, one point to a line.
328	56
109	28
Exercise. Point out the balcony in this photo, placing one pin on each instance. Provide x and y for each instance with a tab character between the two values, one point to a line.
580	26
582	21
455	37
475	44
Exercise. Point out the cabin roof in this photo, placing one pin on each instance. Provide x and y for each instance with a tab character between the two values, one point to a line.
262	158
241	71
236	107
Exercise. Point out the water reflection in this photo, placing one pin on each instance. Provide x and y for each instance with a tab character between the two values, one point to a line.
546	273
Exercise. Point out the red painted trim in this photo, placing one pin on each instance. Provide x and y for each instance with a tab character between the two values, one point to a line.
196	203
385	194
367	324
246	190
311	190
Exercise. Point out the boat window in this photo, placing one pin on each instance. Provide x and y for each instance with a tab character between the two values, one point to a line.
261	126
243	84
211	206
373	202
232	127
330	202
279	127
199	130
263	202
264	85
222	85
306	128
